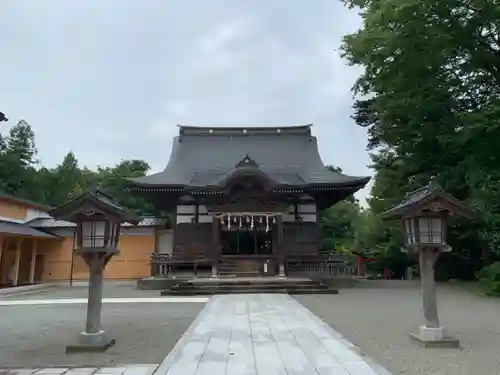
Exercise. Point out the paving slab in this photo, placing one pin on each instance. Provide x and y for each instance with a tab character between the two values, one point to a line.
263	334
134	369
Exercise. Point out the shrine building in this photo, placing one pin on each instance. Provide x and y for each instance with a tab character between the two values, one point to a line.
245	200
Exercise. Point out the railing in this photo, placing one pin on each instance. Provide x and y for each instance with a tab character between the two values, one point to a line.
158	258
162	265
323	266
159	266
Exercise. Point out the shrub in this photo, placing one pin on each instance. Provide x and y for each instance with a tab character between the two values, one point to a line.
490	276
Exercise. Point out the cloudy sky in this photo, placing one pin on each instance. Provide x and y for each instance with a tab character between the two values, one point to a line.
110	79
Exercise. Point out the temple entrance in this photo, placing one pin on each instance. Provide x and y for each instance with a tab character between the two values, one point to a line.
246	242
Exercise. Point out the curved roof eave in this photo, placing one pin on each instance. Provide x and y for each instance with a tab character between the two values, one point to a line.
246	171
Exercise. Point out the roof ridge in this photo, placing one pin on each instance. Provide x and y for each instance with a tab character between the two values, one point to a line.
248	126
304	130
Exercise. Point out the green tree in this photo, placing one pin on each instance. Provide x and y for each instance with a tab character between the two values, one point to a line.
430	103
17	160
337	222
338	225
64	181
112	180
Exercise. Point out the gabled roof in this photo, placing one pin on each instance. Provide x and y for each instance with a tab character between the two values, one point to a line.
205	156
17	229
423	196
97	199
53	223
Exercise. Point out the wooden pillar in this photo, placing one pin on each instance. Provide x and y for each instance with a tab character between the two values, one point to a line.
33	261
15	276
215	246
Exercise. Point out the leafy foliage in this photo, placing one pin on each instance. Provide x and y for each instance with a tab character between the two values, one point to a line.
429	99
56	186
490	276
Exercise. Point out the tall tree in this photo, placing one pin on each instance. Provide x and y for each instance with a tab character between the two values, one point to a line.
113	181
430	89
338	222
65	179
17	160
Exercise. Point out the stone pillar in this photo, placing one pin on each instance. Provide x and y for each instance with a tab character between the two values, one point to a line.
15	276
1	249
427	258
215	246
33	261
94	305
431	334
281	250
94	339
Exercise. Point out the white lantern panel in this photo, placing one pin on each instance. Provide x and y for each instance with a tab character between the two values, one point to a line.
93	234
410	231
430	230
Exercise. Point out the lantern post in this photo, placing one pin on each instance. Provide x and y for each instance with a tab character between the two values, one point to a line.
98	220
424	214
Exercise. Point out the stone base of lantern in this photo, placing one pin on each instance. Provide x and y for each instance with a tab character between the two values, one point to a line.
434	338
91	343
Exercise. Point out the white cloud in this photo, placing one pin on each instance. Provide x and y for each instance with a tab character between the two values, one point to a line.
111	80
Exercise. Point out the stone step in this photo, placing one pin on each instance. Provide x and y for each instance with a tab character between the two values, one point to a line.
260	285
232	273
215	291
244	290
256	282
248	285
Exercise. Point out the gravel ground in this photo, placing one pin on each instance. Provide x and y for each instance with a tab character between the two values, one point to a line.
117	289
379	319
36	336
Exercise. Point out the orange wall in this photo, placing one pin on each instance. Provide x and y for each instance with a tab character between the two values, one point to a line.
133	262
12	210
56	258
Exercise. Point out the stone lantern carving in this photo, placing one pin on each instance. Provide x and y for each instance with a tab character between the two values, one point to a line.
98	220
424	215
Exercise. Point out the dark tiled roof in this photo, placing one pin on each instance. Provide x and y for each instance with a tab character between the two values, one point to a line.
17	229
53	223
96	198
424	195
416	196
204	156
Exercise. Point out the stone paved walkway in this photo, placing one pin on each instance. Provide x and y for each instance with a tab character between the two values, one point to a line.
117	370
263	334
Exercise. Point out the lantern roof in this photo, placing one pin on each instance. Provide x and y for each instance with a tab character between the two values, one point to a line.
94	201
414	202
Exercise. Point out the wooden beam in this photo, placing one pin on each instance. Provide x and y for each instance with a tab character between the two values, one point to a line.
33	261
15	276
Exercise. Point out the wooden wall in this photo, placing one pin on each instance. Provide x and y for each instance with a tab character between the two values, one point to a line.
133	262
298	238
301	238
192	238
